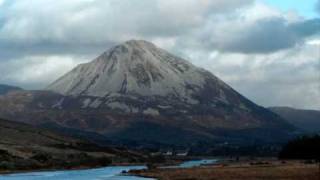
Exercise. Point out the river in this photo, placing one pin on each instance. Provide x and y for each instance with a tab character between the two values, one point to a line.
105	173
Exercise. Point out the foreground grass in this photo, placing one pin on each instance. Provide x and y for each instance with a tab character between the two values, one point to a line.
291	171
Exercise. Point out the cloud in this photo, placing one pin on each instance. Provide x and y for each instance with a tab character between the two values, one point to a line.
286	78
97	21
225	25
262	36
89	26
258	29
36	71
306	28
271	35
258	49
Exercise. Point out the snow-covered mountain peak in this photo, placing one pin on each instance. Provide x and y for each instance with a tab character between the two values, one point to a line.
135	67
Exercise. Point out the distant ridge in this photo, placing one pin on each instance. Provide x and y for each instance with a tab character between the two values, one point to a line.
4	89
308	120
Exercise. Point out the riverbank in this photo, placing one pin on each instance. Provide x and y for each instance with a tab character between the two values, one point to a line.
113	172
290	170
80	167
92	165
110	172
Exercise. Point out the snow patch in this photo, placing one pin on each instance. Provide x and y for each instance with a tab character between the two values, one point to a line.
118	105
96	103
151	111
244	107
164	107
86	103
40	105
138	67
222	97
58	104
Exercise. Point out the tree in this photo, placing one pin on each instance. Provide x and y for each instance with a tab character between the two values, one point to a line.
305	147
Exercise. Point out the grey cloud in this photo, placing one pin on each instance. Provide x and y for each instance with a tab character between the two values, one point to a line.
37	71
15	51
270	35
46	38
306	28
287	78
86	28
101	21
72	26
266	35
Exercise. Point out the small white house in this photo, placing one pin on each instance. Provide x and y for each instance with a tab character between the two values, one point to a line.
168	153
182	153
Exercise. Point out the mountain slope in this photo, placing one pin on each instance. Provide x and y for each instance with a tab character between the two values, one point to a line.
4	89
138	92
24	147
308	120
135	67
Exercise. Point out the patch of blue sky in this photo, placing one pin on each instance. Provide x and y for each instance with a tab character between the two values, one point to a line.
305	8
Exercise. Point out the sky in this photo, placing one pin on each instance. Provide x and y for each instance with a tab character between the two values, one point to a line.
268	50
304	7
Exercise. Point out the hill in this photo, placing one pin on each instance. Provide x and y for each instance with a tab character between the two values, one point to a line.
308	120
23	147
4	89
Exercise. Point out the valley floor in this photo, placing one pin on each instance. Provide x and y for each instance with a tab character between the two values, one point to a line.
239	171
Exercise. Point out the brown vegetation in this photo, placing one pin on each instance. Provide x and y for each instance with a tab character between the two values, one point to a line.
24	148
287	171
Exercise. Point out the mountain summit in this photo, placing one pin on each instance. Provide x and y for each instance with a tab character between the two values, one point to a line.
137	68
138	92
140	69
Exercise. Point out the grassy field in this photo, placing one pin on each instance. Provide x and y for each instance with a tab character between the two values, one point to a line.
275	170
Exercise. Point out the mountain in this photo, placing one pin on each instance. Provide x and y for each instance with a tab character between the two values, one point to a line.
4	89
137	92
23	147
308	120
139	68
